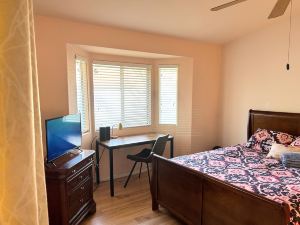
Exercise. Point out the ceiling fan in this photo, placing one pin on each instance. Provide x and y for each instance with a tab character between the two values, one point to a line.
278	10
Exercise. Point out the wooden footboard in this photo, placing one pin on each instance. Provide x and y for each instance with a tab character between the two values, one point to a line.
199	199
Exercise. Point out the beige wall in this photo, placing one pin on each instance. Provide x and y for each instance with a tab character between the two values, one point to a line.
201	82
206	102
254	77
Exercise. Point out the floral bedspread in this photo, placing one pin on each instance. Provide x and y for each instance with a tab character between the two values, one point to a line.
251	170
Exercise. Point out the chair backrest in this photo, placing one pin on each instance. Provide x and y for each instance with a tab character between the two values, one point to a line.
160	145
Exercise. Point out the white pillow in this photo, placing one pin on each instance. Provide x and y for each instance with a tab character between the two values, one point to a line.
277	150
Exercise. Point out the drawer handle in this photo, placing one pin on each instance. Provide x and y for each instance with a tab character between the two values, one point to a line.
81	200
80	177
82	188
73	171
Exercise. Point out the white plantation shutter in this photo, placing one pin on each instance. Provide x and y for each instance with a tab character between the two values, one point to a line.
136	96
107	95
122	94
168	76
82	94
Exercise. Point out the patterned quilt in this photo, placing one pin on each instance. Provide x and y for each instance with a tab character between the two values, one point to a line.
251	170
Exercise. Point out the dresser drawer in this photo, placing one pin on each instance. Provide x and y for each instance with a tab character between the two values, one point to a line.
80	165
79	197
76	180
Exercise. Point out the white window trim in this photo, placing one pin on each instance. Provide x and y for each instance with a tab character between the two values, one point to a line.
122	64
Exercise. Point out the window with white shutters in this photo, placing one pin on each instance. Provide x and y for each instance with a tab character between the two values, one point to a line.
122	94
168	76
82	99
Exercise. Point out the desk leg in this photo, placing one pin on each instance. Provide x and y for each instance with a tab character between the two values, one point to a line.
97	164
172	148
111	172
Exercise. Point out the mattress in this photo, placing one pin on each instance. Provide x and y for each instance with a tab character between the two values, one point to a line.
250	170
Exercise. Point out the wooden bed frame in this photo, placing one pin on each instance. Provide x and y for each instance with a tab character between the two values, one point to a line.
199	199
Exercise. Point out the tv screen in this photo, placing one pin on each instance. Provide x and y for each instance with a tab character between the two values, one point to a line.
62	134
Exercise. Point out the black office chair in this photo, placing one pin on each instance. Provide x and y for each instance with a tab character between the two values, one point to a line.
146	156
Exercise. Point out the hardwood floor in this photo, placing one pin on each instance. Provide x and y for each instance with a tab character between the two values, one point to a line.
130	206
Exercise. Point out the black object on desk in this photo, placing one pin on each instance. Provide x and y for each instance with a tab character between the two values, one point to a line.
125	141
104	133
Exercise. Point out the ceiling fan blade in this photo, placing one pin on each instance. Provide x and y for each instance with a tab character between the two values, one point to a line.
227	5
279	9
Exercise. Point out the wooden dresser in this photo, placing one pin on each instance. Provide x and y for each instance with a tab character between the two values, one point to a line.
69	183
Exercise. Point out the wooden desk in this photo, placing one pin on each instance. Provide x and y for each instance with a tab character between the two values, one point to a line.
122	142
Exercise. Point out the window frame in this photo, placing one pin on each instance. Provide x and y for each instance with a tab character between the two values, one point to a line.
128	64
159	91
86	61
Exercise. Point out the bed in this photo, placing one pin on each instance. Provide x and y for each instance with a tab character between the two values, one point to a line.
198	198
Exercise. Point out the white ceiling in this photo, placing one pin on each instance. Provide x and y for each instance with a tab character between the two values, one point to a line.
191	19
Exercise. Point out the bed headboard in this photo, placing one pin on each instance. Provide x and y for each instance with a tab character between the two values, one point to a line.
277	121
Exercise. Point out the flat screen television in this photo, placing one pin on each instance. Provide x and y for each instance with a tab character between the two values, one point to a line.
63	134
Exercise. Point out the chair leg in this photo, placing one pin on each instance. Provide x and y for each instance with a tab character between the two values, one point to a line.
148	174
130	175
140	170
